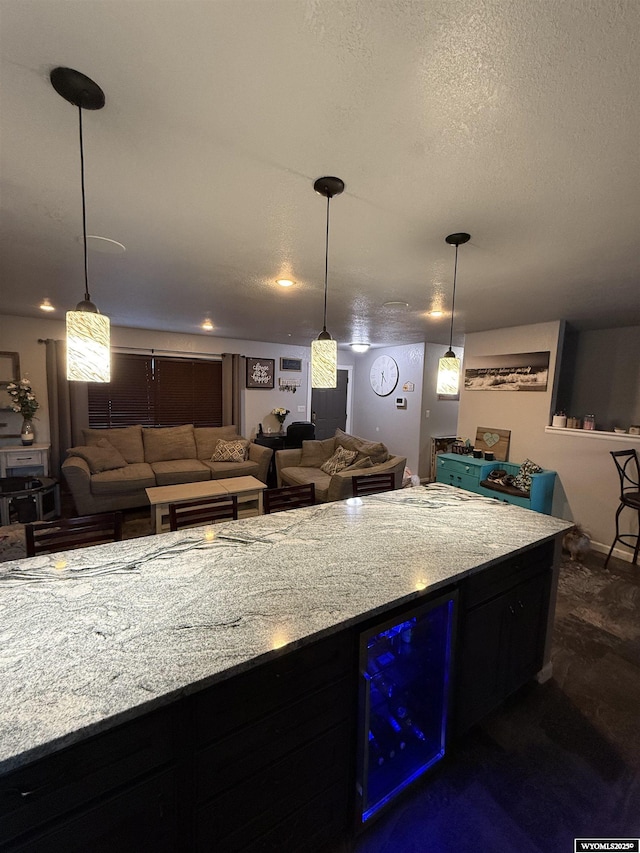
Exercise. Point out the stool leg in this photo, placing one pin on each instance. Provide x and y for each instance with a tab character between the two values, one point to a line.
637	548
617	539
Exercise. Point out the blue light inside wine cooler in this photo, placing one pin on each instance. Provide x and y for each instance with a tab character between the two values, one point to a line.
406	671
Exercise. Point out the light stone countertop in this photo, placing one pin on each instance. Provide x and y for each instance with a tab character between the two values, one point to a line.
126	627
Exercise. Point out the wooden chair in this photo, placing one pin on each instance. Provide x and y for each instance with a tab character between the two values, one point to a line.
202	511
628	466
289	497
43	537
371	484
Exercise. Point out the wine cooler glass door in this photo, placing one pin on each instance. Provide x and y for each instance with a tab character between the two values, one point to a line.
403	701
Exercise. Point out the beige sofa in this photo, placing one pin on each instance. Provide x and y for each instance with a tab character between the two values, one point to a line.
114	467
301	466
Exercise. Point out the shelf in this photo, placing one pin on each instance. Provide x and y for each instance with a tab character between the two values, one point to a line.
624	437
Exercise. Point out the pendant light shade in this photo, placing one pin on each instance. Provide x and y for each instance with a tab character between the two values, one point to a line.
88	331
449	365
324	350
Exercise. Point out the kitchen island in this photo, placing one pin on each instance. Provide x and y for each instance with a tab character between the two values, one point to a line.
182	683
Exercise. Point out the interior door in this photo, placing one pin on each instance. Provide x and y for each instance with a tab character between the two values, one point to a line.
329	407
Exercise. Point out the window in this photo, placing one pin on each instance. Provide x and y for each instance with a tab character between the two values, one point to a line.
157	391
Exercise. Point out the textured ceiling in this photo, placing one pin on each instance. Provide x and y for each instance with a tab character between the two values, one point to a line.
517	121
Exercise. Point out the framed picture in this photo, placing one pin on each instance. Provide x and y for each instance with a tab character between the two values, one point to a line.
260	372
291	364
9	367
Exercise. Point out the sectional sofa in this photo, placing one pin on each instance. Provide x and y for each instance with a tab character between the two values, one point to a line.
114	467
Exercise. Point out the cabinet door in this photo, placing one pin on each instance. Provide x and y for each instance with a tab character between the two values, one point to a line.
527	616
481	663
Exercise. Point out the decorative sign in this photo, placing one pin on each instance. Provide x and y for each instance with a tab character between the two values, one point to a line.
260	372
522	371
291	364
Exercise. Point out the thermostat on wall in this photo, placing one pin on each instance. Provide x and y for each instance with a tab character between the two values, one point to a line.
401	402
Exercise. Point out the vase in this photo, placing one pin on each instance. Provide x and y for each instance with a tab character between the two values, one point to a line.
27	433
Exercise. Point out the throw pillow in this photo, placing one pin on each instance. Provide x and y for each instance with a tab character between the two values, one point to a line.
362	462
230	451
340	460
315	452
102	456
523	477
374	449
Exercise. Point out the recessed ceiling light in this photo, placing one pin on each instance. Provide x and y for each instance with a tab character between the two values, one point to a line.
284	282
46	306
395	303
435	313
207	325
360	347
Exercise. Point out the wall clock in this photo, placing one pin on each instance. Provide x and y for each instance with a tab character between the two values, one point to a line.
384	375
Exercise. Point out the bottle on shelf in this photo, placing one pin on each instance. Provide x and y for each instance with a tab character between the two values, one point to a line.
401	710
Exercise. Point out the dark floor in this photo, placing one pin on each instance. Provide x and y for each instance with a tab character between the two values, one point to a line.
560	760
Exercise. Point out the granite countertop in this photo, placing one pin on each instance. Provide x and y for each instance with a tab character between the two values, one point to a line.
93	637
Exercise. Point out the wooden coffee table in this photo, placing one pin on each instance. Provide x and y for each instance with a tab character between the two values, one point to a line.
248	490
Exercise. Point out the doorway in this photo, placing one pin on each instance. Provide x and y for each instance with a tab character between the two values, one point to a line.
329	406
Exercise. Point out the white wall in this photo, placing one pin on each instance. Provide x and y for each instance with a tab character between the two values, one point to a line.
377	418
586	484
443	414
20	334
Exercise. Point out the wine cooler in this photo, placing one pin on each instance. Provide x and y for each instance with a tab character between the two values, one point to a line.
404	691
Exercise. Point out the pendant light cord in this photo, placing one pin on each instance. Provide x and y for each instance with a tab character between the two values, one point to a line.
326	267
453	299
84	213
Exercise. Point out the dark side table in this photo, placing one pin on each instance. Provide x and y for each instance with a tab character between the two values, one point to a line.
33	499
276	442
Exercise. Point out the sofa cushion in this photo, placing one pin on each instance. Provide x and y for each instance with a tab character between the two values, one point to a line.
360	463
102	456
167	443
123	481
128	440
299	476
221	470
375	450
339	461
231	451
315	453
176	471
208	437
523	477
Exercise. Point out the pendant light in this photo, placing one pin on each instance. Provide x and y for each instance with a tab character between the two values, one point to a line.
449	364
88	332
324	350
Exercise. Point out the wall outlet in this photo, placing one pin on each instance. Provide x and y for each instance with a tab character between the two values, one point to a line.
300	408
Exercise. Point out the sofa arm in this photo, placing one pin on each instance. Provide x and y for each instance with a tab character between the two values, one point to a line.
76	473
341	487
541	491
262	456
287	459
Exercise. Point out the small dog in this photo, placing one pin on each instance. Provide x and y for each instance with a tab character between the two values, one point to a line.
576	541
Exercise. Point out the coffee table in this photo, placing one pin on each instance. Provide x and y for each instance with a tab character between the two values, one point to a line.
248	490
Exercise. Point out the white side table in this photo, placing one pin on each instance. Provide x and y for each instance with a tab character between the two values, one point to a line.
18	459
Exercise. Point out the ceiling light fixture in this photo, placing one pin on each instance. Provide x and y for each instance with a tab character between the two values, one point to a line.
46	305
360	347
449	364
436	313
324	350
207	325
284	282
88	332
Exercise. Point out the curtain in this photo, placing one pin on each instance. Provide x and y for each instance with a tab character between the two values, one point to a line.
232	384
68	406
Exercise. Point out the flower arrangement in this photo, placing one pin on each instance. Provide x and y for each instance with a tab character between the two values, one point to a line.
281	413
23	399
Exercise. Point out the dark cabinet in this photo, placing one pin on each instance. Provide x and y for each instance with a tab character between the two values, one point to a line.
503	625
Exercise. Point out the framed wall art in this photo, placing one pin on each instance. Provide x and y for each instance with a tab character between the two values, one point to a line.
291	364
260	372
9	368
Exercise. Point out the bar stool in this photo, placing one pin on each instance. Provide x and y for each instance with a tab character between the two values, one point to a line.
626	462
